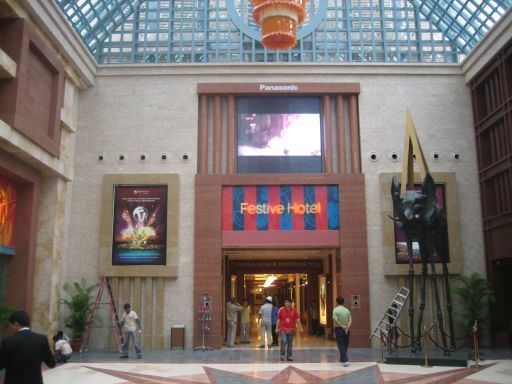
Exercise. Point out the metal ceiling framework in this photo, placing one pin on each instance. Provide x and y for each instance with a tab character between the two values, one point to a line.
208	31
463	22
95	20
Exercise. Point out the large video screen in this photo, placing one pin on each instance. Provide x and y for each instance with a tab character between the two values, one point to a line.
279	134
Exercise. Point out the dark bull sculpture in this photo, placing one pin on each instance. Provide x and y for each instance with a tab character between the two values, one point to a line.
422	220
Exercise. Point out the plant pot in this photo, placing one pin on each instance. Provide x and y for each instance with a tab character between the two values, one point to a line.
76	343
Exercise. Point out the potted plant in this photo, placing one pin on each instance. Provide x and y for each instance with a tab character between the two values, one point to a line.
79	305
475	293
5	313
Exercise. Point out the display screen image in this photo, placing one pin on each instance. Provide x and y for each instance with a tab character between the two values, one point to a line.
279	134
140	225
401	253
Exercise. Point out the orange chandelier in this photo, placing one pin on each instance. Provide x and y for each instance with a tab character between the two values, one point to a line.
279	20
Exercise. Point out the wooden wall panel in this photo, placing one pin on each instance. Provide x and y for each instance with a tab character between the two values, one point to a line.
159	314
208	259
217	134
354	135
231	140
491	92
31	103
148	304
326	106
340	130
147	326
203	134
114	285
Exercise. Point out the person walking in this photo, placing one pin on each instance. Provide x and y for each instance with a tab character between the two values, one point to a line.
265	315
129	324
245	322
232	309
342	320
22	354
287	319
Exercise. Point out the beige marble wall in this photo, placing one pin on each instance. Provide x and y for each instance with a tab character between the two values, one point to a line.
57	172
442	113
53	224
153	109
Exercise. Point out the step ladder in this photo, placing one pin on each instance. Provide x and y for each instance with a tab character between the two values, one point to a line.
105	285
392	313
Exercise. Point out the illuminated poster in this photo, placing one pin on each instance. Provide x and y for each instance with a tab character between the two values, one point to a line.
140	225
402	256
322	299
8	195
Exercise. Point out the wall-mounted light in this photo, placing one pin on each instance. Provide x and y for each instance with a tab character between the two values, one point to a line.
456	156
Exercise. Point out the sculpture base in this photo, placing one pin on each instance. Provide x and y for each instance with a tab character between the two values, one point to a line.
435	357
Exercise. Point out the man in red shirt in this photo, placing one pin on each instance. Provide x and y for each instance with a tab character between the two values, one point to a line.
287	319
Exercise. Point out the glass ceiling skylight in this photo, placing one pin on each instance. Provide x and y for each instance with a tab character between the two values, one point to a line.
222	31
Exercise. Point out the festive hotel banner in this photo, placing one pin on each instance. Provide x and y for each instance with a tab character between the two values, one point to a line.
140	225
8	195
280	208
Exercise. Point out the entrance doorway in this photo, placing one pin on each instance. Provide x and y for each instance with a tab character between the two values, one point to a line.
304	276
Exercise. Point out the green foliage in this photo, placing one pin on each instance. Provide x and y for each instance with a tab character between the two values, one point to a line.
475	293
5	313
79	305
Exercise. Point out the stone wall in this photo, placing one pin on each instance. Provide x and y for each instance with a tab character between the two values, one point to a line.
154	109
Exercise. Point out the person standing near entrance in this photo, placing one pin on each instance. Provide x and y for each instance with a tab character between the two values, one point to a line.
129	323
287	319
245	322
23	353
232	309
265	315
342	321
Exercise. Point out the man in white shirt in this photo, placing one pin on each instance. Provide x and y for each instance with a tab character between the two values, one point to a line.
129	324
232	309
61	348
265	316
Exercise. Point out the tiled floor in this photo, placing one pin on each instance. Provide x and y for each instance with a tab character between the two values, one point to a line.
253	366
276	373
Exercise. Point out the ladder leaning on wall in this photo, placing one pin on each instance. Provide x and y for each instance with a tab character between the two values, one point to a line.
392	313
105	285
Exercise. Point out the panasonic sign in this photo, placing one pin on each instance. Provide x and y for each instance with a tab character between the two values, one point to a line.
291	87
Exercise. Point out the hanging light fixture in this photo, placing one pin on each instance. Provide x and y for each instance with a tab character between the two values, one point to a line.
279	20
269	281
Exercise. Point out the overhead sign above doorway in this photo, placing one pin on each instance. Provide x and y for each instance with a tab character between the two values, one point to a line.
280	215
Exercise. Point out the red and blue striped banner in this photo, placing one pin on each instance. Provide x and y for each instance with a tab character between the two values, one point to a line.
280	208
